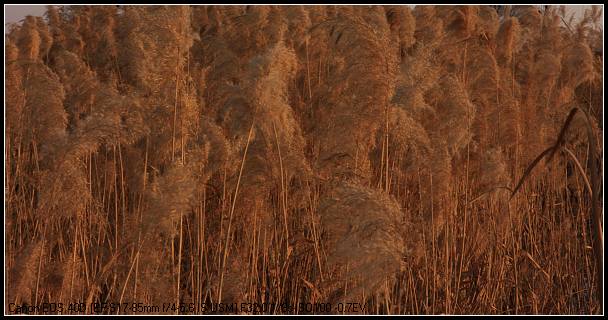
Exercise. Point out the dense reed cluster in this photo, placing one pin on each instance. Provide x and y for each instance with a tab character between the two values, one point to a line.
318	154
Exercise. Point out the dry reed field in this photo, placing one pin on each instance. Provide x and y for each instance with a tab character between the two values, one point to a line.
304	160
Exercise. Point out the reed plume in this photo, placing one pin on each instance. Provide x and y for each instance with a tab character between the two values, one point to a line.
358	98
366	250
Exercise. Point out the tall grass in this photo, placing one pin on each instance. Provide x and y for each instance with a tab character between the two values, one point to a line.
306	154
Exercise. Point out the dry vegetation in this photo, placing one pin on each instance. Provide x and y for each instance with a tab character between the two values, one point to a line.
306	154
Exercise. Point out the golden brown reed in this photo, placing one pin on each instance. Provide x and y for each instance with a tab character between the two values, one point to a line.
286	154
